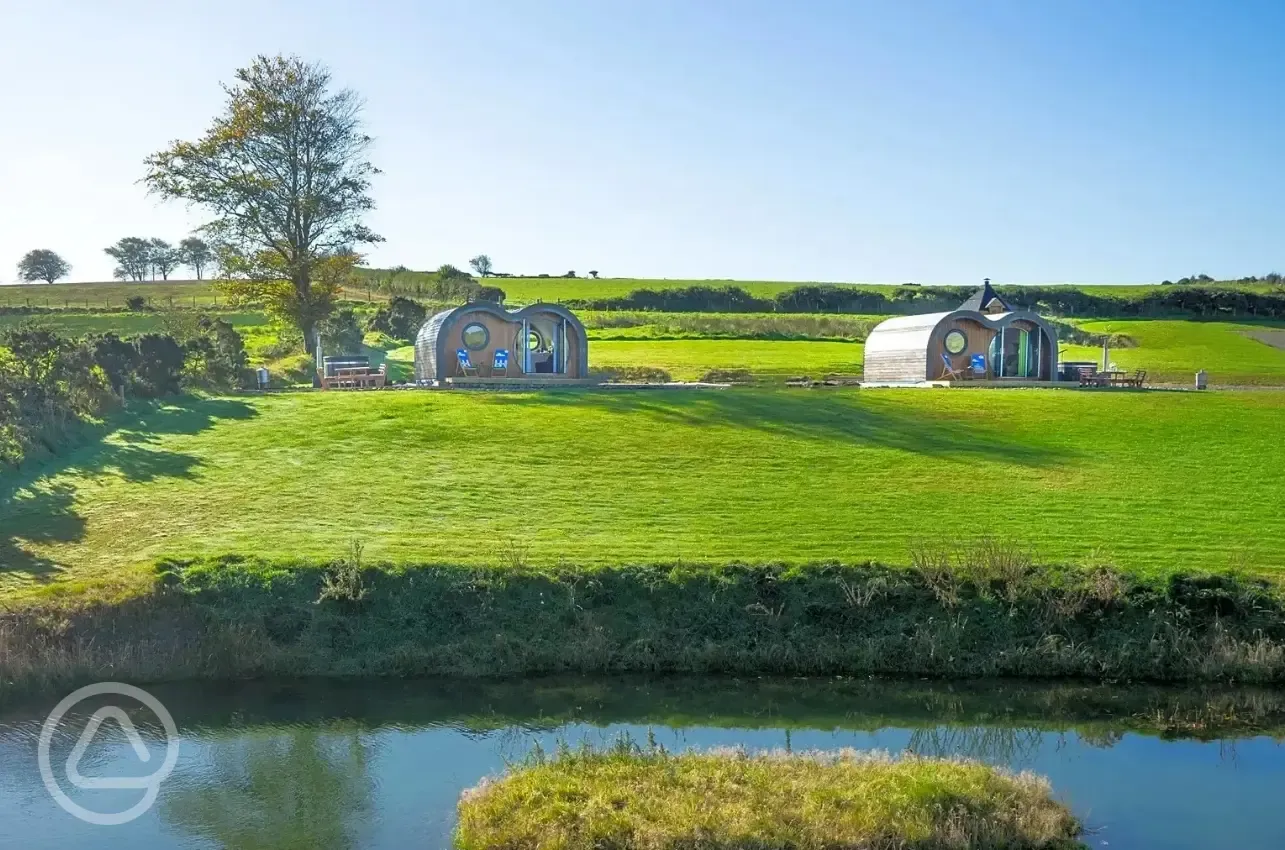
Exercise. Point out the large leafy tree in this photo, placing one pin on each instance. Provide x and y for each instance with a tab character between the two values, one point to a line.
195	253
42	264
481	264
283	170
133	256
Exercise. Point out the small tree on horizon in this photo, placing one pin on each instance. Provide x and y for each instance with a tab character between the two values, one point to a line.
133	256
194	252
42	264
481	264
164	258
283	171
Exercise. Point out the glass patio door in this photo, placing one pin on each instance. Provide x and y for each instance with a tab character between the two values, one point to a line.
1013	353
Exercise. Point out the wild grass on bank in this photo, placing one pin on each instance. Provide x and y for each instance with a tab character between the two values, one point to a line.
634	799
987	611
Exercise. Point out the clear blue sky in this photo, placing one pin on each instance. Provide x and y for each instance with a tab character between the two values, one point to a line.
906	140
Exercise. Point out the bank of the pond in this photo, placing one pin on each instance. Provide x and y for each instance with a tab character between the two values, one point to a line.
994	617
633	798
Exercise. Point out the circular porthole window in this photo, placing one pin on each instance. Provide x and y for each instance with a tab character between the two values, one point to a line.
476	336
535	341
956	342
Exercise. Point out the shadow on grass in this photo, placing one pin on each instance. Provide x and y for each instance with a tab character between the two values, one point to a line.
35	509
832	417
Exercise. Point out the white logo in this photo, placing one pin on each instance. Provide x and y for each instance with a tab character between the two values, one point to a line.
151	784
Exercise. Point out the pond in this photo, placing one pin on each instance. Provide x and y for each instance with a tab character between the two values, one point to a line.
381	764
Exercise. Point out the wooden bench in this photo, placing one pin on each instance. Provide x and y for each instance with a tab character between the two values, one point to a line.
356	377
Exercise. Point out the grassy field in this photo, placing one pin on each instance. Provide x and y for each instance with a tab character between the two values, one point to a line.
689	359
72	323
1153	482
178	293
634	799
687	345
1172	351
639	325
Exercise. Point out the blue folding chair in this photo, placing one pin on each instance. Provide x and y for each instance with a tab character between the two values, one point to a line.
466	365
501	364
949	372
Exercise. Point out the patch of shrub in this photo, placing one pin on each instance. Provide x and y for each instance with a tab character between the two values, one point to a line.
215	357
639	375
50	387
401	318
490	293
159	368
341	333
136	303
293	369
727	376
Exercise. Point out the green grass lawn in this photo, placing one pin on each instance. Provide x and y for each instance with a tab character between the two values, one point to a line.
688	359
1173	350
1149	481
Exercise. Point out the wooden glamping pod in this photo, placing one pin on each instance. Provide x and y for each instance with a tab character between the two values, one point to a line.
984	340
483	342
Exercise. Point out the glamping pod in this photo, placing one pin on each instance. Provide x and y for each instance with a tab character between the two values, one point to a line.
483	340
985	339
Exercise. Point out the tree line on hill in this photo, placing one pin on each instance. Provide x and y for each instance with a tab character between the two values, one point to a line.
1065	301
52	386
137	257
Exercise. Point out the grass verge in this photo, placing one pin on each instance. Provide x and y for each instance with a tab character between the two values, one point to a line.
997	616
627	798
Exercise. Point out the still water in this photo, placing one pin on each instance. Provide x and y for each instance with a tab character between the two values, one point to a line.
382	764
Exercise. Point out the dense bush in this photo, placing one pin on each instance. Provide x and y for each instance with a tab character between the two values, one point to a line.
215	357
401	318
490	293
341	332
159	368
51	386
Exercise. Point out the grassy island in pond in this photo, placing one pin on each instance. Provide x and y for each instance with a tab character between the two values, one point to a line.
632	800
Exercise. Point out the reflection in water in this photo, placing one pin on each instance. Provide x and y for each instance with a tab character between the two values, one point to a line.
296	787
381	765
1014	746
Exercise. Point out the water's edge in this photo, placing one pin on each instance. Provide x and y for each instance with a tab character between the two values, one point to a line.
381	763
